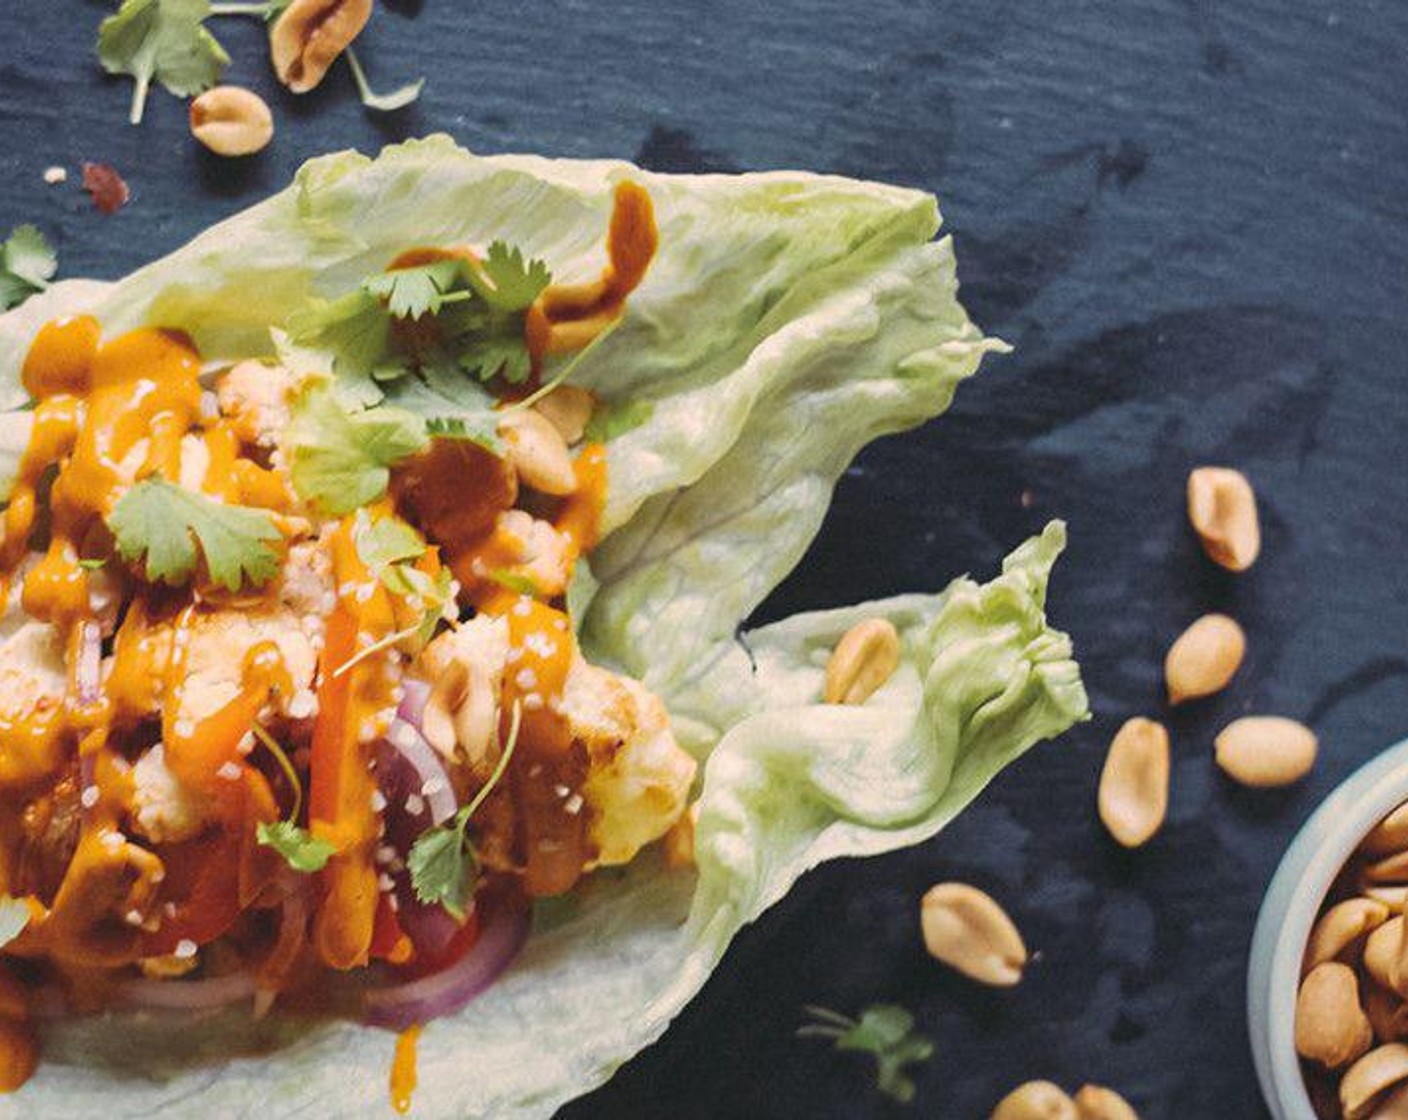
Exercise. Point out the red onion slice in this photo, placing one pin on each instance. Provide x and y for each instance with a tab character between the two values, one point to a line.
505	922
431	780
185	995
414	695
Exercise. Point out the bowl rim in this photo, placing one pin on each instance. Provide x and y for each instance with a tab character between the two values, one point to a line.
1292	903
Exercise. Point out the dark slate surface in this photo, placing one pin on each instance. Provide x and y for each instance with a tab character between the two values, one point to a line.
1192	220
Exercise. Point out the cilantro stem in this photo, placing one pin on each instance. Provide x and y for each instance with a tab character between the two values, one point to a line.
563	374
826	1015
139	99
285	764
263	10
376	647
512	743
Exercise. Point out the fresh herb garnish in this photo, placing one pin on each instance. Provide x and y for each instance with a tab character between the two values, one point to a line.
512	581
443	862
387	540
267	10
164	41
387	547
341	460
398	98
14	916
418	290
616	420
160	523
301	850
27	264
884	1030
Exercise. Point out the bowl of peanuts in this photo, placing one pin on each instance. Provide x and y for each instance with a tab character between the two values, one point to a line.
1327	984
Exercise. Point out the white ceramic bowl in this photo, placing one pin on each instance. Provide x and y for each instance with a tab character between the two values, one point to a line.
1288	911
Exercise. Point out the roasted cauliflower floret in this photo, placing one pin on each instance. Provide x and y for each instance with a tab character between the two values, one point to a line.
256	398
162	809
527	548
32	674
638	777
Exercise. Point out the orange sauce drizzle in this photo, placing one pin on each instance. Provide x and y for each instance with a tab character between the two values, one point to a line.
403	1069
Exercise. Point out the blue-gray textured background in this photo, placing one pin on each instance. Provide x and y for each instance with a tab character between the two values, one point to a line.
1191	219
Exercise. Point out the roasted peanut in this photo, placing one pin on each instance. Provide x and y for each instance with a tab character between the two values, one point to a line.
1204	658
1393	896
967	930
1036	1100
1222	508
1390	869
863	660
1389	835
568	408
1393	1106
1382	951
538	452
1133	797
1373	1075
1265	751
310	34
1386	1013
1095	1102
231	121
1331	1027
1340	926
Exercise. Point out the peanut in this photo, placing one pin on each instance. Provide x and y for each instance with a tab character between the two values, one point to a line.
1036	1100
1204	658
1265	751
1394	1106
231	121
1222	508
568	408
1133	797
967	930
1340	926
1386	1013
1095	1102
1392	896
864	659
1390	869
1331	1027
1382	953
310	34
1389	835
1372	1076
538	452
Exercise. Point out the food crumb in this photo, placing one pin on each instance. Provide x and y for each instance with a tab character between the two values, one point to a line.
55	175
109	191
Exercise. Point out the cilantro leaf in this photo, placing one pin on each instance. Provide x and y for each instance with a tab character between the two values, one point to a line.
398	98
454	407
161	40
14	916
416	291
512	581
27	263
354	331
505	281
387	541
161	523
608	423
443	862
301	850
502	353
342	460
884	1030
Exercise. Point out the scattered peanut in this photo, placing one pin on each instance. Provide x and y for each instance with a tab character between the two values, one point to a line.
1392	896
967	930
231	121
1222	508
310	34
568	408
1204	658
538	452
1390	869
1265	751
1133	797
1370	1077
1095	1102
1331	1027
1036	1100
1340	927
863	660
1387	1013
1394	1106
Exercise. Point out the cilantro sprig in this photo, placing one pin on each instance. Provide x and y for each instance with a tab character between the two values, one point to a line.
885	1031
165	41
159	524
443	861
301	850
398	98
27	264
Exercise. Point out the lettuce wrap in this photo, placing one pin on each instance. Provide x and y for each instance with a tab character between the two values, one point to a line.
788	320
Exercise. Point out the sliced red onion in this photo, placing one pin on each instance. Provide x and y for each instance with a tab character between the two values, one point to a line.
504	926
414	695
424	776
185	995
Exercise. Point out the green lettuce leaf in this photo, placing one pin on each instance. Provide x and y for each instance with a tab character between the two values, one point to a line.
788	320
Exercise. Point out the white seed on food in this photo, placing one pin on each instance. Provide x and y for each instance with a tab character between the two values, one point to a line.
185	948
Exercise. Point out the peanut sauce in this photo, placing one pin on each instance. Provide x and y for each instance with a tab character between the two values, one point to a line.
403	1069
